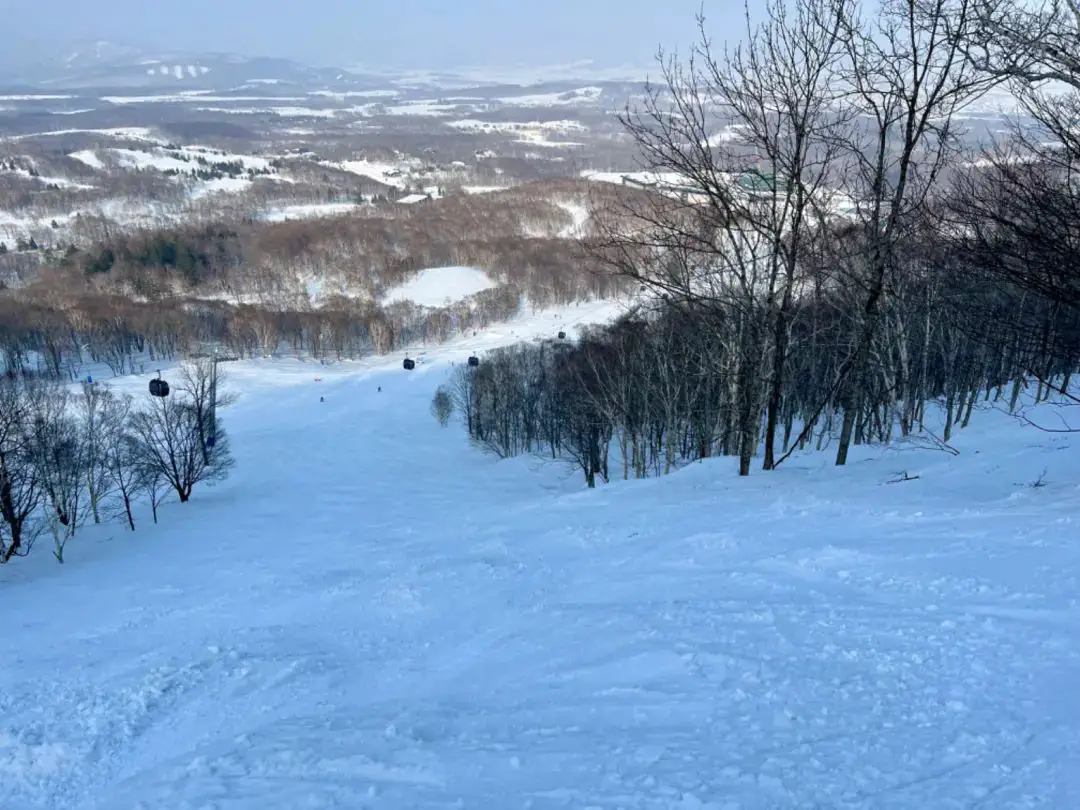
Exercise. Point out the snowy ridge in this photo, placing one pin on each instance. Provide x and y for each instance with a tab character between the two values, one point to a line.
370	613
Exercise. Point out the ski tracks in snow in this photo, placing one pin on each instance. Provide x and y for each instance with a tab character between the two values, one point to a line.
472	640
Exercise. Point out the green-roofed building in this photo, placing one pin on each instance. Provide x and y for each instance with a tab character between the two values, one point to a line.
757	182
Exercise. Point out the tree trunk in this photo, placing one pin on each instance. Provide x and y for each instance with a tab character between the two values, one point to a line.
127	511
781	341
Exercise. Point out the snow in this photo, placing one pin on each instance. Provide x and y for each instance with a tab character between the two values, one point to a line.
183	159
301	112
421	107
438	286
385	173
535	133
483	189
579	215
13	226
470	76
309	211
138	159
194	96
342	95
220	185
129	133
639	177
372	614
89	157
583	95
35	97
213	155
282	112
62	182
729	133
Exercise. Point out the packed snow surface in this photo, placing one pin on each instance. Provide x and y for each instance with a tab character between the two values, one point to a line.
372	614
439	286
387	173
308	211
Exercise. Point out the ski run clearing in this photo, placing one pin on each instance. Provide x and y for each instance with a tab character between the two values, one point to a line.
370	613
440	286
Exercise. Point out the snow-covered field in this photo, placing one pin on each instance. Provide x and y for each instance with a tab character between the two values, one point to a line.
309	211
387	173
183	159
579	215
371	614
640	178
536	133
437	286
130	133
582	95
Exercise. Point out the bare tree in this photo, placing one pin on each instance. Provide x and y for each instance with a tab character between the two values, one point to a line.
728	236
153	482
59	451
1016	211
20	480
906	74
120	459
200	379
1033	42
95	406
442	405
172	436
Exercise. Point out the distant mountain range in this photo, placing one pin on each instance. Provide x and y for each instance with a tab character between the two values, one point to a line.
108	64
104	64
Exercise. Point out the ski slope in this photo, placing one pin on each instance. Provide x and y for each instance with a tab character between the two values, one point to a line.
439	286
371	614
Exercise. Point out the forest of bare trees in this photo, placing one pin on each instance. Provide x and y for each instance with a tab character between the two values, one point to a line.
160	293
68	459
876	264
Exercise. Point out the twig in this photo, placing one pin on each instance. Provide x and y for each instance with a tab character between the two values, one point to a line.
902	477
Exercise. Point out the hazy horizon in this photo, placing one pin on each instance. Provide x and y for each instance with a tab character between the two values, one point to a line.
399	34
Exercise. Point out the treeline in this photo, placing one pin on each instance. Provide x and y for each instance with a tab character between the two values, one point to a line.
245	286
55	342
513	235
69	459
668	385
781	320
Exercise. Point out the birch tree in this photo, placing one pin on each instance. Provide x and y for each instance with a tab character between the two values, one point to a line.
729	236
906	74
59	451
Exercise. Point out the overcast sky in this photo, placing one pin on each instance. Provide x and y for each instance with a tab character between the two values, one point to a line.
395	33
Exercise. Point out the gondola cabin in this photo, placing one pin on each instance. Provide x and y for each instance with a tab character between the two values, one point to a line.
562	335
159	388
409	364
474	361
